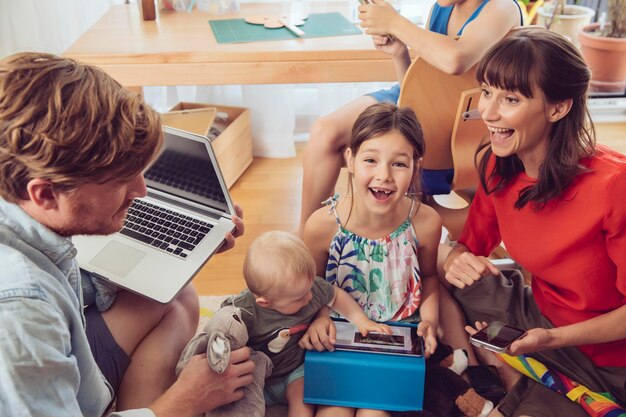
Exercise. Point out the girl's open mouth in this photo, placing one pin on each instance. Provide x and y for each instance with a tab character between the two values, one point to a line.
380	194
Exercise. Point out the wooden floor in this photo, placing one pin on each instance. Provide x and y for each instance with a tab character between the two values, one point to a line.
270	192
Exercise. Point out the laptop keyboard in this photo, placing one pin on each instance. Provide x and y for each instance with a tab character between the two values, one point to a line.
164	229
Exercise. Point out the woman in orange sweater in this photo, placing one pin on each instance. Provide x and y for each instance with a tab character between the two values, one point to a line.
556	200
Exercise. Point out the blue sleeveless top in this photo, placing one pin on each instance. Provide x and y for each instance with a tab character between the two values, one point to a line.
440	17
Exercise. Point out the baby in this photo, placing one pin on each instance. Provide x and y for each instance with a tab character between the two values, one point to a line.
282	298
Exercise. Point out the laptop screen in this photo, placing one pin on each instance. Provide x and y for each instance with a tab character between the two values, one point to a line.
184	169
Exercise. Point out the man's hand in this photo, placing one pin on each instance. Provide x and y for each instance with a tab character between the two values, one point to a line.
466	268
199	389
321	335
239	229
428	332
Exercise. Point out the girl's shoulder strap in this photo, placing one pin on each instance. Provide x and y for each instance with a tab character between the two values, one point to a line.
332	202
415	207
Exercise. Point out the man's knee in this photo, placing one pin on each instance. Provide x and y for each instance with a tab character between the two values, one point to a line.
187	301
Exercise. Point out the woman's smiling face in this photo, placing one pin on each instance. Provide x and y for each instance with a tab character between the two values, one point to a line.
517	124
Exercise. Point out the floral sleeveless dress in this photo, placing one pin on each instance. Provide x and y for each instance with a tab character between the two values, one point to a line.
382	275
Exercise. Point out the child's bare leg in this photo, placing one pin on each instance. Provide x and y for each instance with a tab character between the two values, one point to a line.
330	411
295	398
324	155
452	325
372	413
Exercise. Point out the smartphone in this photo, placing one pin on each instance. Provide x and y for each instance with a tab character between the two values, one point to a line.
496	337
486	382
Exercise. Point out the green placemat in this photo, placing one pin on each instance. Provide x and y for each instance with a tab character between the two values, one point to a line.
317	25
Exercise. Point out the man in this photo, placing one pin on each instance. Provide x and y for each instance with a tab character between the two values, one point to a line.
73	145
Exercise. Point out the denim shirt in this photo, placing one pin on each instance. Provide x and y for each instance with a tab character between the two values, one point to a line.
46	365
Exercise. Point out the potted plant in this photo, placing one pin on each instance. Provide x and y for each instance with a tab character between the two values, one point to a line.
529	9
604	48
565	19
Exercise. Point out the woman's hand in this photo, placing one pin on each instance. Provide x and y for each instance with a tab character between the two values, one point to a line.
321	335
535	340
465	268
428	332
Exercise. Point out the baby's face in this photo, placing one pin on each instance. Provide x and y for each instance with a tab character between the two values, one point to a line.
289	299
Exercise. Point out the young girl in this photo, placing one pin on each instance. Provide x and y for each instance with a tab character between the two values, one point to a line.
478	24
380	244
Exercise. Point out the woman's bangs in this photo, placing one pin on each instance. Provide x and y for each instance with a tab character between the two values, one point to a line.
508	68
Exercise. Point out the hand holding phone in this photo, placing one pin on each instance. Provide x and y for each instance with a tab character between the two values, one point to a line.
496	337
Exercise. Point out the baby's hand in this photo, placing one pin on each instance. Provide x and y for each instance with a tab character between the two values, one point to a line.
367	326
428	332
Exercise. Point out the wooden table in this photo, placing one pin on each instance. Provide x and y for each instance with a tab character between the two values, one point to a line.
179	49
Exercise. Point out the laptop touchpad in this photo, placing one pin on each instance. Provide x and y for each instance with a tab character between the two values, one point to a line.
117	258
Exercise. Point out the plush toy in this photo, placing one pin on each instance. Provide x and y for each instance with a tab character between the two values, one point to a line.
224	332
446	393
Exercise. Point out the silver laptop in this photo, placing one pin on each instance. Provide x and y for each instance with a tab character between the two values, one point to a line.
169	234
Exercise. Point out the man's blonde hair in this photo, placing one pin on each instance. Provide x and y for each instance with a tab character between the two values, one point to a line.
274	257
69	123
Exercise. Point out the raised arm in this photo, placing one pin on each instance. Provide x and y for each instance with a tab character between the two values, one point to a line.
345	305
452	56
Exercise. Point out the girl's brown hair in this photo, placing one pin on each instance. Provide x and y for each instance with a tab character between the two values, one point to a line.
537	57
69	123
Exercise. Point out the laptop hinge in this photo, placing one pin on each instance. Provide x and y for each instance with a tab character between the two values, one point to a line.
184	205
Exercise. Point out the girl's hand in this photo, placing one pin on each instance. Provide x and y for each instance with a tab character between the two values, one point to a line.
429	333
321	335
467	268
377	17
390	45
368	325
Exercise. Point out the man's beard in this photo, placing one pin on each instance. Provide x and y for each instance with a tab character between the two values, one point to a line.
82	225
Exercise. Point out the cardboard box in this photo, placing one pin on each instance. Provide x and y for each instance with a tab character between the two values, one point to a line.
233	146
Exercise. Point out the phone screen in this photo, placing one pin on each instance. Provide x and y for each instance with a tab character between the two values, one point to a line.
498	334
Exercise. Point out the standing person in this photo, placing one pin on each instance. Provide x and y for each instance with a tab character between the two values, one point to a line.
73	145
478	24
556	200
380	244
282	298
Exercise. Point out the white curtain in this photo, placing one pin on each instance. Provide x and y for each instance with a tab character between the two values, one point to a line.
280	113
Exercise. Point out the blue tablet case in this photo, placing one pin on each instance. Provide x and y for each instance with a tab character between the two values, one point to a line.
364	380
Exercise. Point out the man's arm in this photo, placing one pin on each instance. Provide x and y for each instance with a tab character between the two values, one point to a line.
38	374
199	389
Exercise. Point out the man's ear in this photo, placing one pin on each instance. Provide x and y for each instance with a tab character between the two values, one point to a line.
41	193
349	160
559	110
262	301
